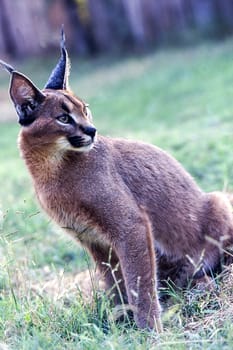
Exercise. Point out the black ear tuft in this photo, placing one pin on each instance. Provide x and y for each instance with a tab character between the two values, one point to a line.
58	79
6	66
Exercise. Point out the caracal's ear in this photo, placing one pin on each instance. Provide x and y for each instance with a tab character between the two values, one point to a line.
59	78
24	94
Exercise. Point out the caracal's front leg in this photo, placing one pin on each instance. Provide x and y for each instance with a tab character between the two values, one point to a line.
136	254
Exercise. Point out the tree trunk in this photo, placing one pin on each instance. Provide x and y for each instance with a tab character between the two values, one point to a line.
134	13
24	26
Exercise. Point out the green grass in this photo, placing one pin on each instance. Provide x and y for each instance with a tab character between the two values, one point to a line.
180	100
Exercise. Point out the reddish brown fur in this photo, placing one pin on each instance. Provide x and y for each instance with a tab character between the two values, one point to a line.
98	197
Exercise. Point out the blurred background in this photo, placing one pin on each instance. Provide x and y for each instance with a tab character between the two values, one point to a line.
30	28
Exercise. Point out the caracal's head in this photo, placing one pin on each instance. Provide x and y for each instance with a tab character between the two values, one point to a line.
53	117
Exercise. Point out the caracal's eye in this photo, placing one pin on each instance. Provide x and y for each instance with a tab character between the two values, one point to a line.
64	119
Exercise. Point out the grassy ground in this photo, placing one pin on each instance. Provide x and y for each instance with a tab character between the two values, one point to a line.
180	100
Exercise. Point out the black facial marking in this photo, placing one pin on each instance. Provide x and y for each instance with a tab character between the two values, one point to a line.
65	107
77	141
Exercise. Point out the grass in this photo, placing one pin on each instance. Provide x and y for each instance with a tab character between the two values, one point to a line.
180	100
